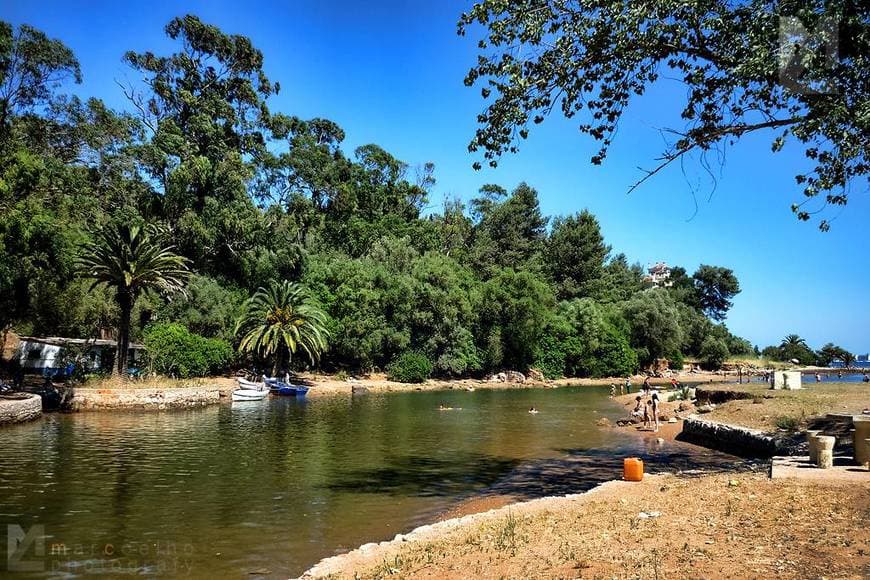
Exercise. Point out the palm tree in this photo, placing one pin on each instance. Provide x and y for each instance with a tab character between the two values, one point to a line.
278	321
792	340
848	359
132	260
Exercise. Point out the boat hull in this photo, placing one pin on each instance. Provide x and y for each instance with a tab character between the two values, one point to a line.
248	395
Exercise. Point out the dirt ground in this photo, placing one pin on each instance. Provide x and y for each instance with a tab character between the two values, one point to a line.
717	526
770	409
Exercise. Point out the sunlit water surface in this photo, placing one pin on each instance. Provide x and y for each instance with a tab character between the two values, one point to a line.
272	487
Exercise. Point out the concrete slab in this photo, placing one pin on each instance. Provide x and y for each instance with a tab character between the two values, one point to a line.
799	467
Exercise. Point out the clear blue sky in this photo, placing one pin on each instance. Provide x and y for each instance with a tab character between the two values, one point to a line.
391	73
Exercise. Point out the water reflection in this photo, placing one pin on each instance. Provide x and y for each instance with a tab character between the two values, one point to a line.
279	484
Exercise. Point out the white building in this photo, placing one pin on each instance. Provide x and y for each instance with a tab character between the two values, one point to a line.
659	275
55	356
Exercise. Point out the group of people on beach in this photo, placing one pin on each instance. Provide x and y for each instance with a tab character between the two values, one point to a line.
648	410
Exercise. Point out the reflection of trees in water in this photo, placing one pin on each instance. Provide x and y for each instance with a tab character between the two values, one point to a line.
427	476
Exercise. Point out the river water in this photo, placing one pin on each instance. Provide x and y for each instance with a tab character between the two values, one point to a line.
272	487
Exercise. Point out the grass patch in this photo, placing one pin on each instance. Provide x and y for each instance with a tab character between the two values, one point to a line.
770	410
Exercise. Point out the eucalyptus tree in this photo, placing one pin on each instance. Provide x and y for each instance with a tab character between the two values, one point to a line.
798	69
279	320
132	260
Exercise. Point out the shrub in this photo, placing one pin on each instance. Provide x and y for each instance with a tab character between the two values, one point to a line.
676	361
713	353
787	423
410	367
175	351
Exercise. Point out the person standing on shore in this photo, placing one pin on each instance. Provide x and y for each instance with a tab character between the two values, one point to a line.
628	385
646	386
655	410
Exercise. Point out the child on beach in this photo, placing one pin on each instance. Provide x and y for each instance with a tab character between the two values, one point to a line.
637	407
655	410
646	414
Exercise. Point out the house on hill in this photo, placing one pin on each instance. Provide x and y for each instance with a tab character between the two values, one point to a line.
659	275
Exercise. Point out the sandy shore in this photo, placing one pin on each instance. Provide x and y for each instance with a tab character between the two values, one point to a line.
716	526
329	385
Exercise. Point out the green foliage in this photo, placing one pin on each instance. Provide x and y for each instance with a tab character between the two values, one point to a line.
791	347
588	60
509	233
715	287
713	352
208	307
513	306
280	320
575	254
788	423
132	260
241	195
410	367
174	351
830	352
654	321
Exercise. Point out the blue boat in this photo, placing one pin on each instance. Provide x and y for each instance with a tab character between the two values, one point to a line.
286	389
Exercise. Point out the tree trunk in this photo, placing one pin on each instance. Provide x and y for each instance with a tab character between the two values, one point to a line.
125	302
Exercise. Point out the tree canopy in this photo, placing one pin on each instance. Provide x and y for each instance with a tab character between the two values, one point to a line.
290	239
747	67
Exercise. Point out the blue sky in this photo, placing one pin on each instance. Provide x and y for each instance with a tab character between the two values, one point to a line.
391	73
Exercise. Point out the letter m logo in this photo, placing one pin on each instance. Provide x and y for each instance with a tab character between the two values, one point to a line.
19	545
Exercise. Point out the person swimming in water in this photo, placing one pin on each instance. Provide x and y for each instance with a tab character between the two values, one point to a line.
533	411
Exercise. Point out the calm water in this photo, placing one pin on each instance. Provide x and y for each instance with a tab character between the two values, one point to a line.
274	486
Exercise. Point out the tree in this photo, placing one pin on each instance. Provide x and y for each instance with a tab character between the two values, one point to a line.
848	358
829	353
713	352
715	287
592	58
575	254
514	308
795	347
132	260
207	122
280	320
31	67
654	322
509	233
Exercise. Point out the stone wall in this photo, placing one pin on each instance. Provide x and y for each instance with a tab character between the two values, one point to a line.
85	399
19	410
735	439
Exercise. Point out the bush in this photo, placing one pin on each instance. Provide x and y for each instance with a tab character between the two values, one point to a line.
676	361
173	350
410	367
787	423
713	353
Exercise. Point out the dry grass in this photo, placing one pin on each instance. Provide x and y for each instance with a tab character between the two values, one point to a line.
117	382
771	409
723	526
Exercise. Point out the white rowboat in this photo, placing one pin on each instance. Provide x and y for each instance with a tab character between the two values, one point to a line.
249	395
251	385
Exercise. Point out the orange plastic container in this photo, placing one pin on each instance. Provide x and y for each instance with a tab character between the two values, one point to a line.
632	469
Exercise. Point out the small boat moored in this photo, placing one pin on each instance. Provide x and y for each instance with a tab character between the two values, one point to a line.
248	395
285	389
